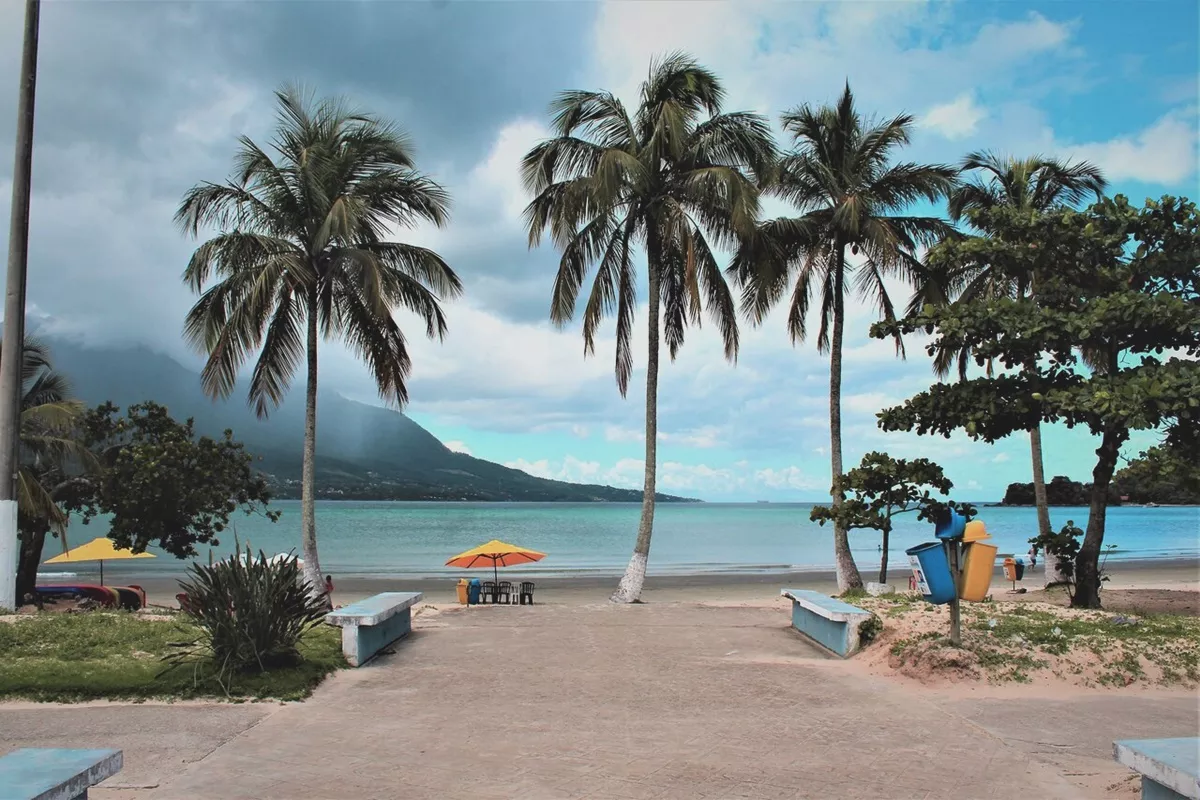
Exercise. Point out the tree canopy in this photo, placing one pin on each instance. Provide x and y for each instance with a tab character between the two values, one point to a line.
161	484
1116	283
882	487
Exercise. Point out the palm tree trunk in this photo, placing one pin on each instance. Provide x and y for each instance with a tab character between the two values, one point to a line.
32	543
847	570
629	590
1087	563
308	504
1040	500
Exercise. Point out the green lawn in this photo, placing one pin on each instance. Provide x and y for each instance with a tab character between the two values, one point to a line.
72	657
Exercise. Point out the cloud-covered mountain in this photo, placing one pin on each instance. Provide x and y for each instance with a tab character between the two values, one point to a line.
363	451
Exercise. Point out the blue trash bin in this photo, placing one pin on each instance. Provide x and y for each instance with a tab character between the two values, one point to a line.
951	527
932	571
473	589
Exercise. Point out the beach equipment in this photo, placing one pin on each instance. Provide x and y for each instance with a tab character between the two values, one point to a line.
975	579
931	568
495	554
99	549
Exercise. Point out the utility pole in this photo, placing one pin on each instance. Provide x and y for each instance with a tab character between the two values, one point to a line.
14	312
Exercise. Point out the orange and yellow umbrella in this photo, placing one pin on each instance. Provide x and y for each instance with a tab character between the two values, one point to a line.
99	549
495	554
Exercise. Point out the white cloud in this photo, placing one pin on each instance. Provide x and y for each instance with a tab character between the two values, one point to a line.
737	480
789	478
1163	153
458	447
1000	458
956	119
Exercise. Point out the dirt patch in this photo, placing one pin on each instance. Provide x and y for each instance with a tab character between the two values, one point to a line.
1030	642
1130	601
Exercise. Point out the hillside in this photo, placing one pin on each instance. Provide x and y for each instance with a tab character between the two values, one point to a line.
363	451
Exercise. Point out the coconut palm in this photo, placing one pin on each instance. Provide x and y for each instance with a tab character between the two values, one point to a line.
47	449
301	252
1033	184
675	179
840	178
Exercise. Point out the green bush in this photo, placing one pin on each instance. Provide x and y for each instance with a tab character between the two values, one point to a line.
251	613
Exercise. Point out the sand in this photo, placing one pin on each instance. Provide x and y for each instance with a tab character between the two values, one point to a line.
1143	575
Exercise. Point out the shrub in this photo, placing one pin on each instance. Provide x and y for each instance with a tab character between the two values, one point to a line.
251	613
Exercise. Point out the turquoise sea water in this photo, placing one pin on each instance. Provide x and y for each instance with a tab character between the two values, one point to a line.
414	539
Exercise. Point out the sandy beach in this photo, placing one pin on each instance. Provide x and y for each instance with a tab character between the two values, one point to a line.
1162	574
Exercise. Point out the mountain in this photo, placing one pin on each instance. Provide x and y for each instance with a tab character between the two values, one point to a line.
363	451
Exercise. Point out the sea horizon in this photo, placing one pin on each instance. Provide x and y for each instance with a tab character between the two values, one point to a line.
413	539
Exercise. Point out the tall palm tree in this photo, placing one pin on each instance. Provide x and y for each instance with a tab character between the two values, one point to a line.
301	252
1034	184
675	179
840	178
47	449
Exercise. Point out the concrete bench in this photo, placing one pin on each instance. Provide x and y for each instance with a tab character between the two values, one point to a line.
1170	768
827	621
370	625
54	774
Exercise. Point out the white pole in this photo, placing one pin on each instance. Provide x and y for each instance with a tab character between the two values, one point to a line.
14	312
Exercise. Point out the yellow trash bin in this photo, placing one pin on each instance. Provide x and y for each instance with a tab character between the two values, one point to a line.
976	576
462	591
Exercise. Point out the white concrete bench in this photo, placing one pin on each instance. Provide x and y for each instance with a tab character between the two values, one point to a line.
829	622
55	774
1170	768
372	624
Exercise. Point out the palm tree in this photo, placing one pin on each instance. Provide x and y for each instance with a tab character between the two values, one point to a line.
840	178
1034	184
301	251
676	179
47	448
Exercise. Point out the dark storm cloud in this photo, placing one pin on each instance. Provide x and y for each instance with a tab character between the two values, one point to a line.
137	101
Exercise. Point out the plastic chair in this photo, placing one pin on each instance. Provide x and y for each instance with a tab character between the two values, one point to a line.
526	593
486	590
504	589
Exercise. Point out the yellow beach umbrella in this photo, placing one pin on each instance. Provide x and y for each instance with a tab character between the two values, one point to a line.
101	549
495	554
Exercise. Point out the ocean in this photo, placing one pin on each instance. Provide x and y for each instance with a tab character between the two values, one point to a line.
414	539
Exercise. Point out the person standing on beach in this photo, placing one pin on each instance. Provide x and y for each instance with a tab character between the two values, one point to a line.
329	590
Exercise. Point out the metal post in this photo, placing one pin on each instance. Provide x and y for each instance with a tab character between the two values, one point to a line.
14	312
952	553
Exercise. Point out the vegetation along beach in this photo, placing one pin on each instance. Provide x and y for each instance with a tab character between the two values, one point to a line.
600	400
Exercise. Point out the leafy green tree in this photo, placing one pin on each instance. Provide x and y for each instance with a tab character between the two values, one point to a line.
1119	283
841	179
674	179
159	483
1161	475
881	488
301	252
1036	184
47	450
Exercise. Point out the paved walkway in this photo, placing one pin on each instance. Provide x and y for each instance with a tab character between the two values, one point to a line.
664	701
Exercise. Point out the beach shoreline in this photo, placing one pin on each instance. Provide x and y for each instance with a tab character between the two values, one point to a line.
1165	573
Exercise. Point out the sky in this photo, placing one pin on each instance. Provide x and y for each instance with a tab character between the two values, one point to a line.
138	101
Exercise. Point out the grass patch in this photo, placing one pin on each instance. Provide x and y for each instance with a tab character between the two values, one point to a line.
102	655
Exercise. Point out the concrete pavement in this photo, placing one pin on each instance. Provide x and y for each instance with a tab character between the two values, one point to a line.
654	701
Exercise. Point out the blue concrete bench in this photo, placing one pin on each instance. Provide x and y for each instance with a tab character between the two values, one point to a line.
370	625
54	774
828	621
1170	768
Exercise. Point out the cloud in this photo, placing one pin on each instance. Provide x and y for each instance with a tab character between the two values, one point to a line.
1163	153
458	447
956	119
1001	458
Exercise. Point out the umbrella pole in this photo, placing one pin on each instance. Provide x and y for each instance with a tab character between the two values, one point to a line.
101	572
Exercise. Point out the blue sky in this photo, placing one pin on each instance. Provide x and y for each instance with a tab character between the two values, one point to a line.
138	101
